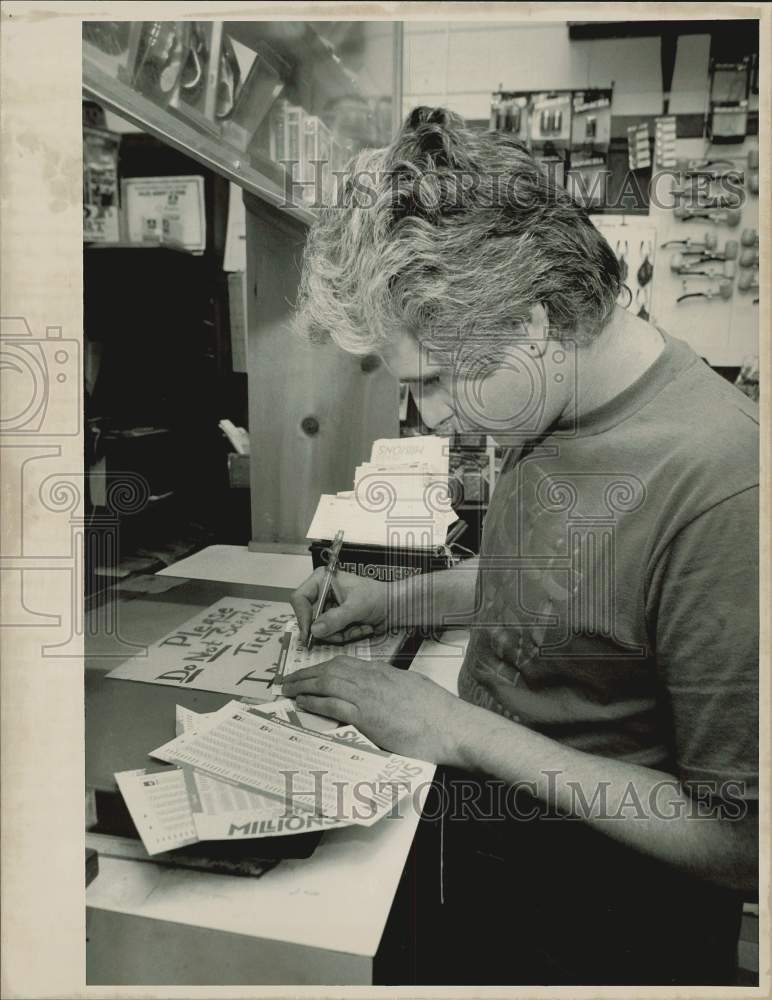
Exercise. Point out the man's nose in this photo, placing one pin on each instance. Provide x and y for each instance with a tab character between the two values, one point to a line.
434	411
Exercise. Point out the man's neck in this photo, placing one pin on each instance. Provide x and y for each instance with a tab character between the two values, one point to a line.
620	354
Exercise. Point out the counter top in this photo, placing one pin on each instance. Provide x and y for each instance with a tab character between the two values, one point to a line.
337	900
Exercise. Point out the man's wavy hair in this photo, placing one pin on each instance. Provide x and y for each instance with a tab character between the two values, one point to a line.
447	232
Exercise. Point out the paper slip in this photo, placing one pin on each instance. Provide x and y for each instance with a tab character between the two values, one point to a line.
300	656
226	812
210	795
178	807
188	721
297	766
166	752
256	823
253	824
181	805
159	806
350	734
282	708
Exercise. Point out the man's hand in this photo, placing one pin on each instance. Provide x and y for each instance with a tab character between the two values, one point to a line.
398	710
361	610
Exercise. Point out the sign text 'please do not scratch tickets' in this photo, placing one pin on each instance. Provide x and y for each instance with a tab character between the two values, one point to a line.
234	647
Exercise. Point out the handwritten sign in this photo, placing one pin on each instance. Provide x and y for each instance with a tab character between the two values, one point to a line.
234	647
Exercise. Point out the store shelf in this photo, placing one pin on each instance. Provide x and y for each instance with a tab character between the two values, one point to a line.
117	96
126	245
244	98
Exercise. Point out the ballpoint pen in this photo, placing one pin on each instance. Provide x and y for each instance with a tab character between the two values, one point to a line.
332	565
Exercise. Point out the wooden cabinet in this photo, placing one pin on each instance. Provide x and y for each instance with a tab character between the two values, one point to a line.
314	411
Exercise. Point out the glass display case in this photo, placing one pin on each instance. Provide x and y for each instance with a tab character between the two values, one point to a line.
277	106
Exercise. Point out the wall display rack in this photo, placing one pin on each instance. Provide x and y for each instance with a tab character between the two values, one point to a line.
568	131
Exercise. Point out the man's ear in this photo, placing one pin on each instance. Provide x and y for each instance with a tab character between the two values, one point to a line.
539	322
538	330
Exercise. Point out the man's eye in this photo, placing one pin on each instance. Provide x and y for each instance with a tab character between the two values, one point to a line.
430	380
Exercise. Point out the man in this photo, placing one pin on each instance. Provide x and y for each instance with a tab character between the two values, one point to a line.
611	675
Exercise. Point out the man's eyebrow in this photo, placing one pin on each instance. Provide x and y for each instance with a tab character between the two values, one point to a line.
417	379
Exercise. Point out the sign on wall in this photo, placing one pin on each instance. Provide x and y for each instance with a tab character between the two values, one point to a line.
165	210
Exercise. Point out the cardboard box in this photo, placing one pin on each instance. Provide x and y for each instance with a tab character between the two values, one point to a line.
379	563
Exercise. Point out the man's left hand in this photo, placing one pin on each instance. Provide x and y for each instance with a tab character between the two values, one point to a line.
398	710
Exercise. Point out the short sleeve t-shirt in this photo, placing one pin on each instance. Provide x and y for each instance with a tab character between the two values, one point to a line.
617	594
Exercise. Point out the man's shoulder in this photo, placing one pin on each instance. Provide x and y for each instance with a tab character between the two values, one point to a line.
708	443
712	424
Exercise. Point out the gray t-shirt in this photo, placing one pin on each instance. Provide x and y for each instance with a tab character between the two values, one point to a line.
617	596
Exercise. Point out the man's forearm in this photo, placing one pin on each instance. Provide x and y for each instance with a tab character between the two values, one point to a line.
444	598
645	809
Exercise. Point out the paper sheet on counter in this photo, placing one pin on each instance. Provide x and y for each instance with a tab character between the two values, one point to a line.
234	647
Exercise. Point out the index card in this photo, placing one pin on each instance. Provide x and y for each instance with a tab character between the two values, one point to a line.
416	483
429	449
401	497
409	523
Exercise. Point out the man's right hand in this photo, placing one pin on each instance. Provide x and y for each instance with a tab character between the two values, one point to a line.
361	610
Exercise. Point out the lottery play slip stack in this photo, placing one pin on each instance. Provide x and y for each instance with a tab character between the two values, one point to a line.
249	771
256	767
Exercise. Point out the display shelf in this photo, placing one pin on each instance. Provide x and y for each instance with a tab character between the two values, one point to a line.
259	102
129	245
120	98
